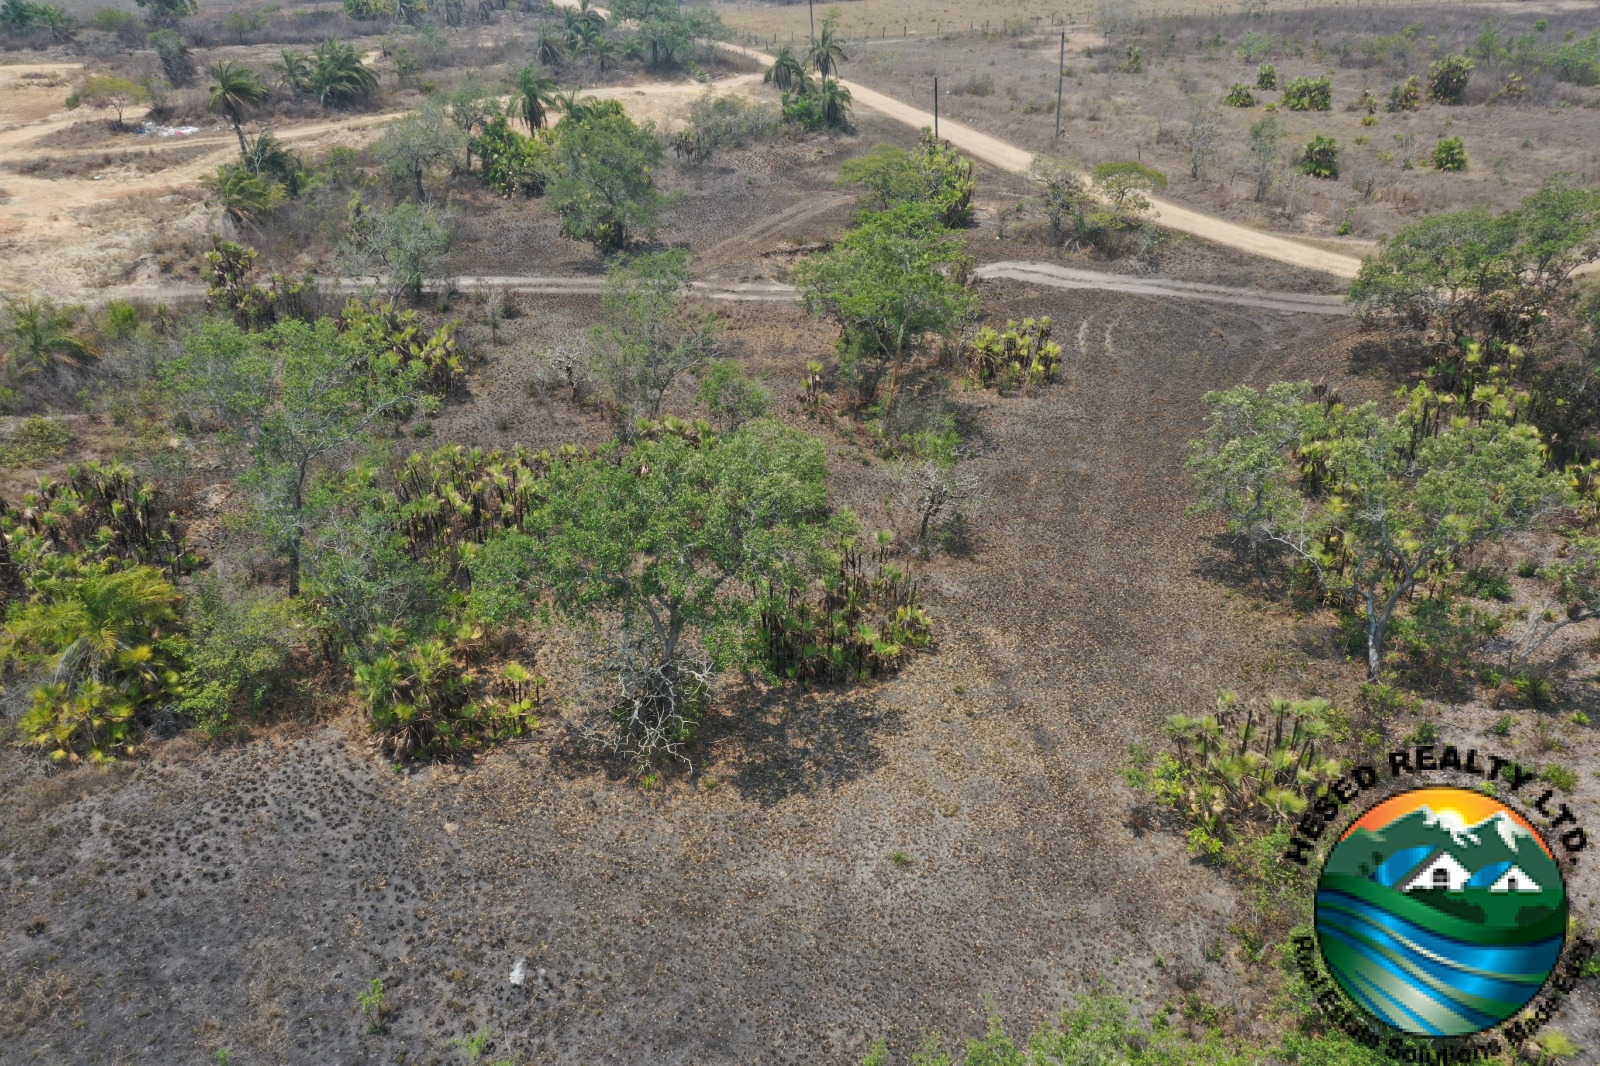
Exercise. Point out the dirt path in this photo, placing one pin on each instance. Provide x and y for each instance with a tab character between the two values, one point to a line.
1009	157
1060	277
1048	275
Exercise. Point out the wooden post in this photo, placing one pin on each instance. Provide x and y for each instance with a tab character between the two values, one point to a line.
1061	68
936	107
811	9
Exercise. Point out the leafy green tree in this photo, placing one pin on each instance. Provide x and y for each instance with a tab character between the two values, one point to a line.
240	640
893	278
601	179
168	13
670	533
234	89
1266	140
38	335
1447	79
119	93
418	144
932	173
1368	505
513	165
730	396
296	397
338	77
470	106
399	248
1471	276
533	93
104	637
646	339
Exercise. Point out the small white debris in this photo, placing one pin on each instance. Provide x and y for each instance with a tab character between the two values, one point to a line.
519	972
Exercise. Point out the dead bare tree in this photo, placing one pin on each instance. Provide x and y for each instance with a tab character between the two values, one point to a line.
1200	139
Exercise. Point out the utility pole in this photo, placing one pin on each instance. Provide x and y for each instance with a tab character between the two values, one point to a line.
811	9
936	107
1061	74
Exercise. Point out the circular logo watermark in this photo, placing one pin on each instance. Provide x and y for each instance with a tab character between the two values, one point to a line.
1441	911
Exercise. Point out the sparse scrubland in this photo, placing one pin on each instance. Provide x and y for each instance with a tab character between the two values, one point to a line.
595	577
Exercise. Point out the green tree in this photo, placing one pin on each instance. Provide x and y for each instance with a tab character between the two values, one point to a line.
670	533
601	178
932	173
730	396
533	93
338	77
1266	140
120	93
893	278
1447	79
39	336
417	144
234	89
470	106
296	397
646	339
104	637
399	248
1471	276
1368	505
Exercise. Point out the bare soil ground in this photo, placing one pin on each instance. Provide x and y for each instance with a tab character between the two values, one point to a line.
242	897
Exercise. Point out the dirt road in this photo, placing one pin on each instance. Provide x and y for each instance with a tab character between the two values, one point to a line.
1048	275
1008	156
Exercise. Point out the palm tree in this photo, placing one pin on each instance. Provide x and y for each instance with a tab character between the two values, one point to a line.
786	71
40	335
591	15
533	93
243	196
582	37
234	89
338	77
294	70
602	49
550	48
100	635
835	102
826	52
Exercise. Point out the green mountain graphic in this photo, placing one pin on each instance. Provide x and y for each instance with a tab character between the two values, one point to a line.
1417	838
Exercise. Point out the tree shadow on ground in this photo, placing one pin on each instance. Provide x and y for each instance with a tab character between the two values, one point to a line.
787	742
1230	561
1395	359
